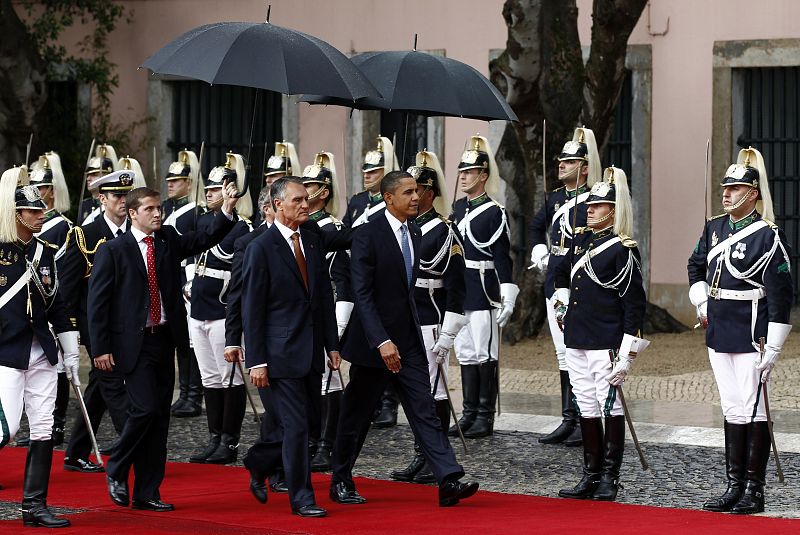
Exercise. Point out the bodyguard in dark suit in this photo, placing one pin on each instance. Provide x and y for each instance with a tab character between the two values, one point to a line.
106	389
136	313
288	318
383	342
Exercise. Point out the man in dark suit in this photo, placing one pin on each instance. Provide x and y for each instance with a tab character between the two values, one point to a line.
136	314
285	268
383	342
106	389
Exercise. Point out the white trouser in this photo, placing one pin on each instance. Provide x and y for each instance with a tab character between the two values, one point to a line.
331	379
556	334
739	385
36	389
477	342
588	369
429	338
208	339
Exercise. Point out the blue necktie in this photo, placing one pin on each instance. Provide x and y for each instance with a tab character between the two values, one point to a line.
407	260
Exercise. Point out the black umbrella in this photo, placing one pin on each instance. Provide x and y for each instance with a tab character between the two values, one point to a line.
263	56
424	84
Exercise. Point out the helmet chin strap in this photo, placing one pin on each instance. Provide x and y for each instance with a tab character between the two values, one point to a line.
25	224
572	174
602	219
468	187
316	193
215	204
740	202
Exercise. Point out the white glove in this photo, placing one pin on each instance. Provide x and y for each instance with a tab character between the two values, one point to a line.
776	336
451	326
187	288
343	311
620	371
69	347
698	295
508	297
540	256
561	305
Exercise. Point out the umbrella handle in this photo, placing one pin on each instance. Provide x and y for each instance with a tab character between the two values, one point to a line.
250	143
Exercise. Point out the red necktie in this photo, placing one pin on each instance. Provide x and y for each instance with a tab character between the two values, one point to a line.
301	260
152	282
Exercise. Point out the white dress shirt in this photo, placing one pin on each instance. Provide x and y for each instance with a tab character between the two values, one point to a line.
287	233
114	228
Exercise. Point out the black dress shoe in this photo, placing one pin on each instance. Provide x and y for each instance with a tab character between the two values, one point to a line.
259	489
39	515
451	492
425	475
118	490
310	511
339	493
408	473
188	409
82	465
153	505
280	487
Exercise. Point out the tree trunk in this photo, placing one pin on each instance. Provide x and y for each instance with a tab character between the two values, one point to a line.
22	78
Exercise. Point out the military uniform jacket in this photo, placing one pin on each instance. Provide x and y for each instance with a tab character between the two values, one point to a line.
607	298
484	229
338	262
181	214
555	219
89	210
55	230
213	272
76	266
746	265
439	288
362	208
29	294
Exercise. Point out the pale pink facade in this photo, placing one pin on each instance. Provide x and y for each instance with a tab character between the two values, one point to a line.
682	100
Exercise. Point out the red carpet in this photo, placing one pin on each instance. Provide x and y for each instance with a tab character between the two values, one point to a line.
215	499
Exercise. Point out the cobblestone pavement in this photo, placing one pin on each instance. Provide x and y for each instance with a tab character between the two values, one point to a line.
514	462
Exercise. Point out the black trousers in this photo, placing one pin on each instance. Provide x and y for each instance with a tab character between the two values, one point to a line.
104	391
412	385
143	441
284	442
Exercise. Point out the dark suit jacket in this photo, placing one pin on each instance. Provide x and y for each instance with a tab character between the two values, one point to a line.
233	318
119	296
286	326
384	302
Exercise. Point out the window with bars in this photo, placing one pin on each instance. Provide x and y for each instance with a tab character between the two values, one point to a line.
769	117
409	132
618	149
222	117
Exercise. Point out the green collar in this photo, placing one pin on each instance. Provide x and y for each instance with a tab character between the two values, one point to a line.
577	191
480	199
50	215
375	199
316	216
427	216
739	225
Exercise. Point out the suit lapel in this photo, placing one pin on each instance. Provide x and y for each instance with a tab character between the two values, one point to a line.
283	250
160	245
135	252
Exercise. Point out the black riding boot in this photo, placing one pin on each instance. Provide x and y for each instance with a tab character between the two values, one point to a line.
592	431
60	409
569	414
409	472
735	455
470	388
614	447
34	490
484	422
214	407
443	412
190	401
330	418
235	405
387	417
758	444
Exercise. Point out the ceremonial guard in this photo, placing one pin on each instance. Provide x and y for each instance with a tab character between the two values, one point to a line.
29	306
223	384
283	162
366	206
132	164
181	212
46	174
551	230
106	389
319	180
600	302
438	294
490	292
741	283
102	163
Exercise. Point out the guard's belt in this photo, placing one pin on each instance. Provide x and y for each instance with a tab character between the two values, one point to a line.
738	295
429	283
479	264
221	274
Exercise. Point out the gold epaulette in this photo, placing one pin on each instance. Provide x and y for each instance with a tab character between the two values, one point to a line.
713	217
581	230
47	244
770	223
444	219
627	241
246	220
